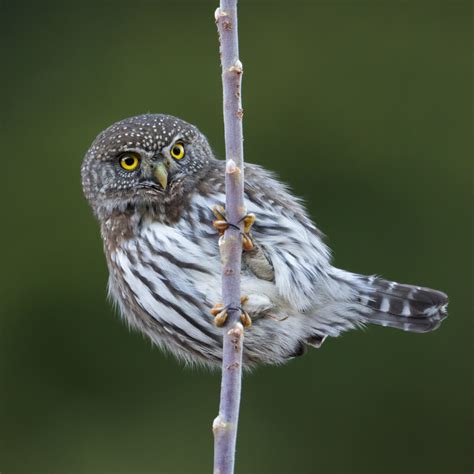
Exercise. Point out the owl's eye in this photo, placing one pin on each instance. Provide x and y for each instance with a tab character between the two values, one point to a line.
177	151
130	161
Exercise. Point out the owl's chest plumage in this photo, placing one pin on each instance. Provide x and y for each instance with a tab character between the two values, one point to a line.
165	278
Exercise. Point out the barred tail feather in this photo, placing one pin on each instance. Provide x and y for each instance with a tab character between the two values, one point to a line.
407	307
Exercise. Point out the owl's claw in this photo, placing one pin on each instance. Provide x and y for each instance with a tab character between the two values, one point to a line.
247	242
221	224
219	311
217	308
249	219
245	319
221	318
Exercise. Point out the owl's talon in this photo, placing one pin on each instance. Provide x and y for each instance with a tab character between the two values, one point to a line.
217	308
221	318
245	319
219	311
221	224
247	243
219	212
248	220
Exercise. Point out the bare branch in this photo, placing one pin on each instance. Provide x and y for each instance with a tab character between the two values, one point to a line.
225	425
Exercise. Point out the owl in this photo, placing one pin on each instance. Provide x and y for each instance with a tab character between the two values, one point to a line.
153	182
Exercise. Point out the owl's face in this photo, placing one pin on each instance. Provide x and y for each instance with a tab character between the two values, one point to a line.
142	161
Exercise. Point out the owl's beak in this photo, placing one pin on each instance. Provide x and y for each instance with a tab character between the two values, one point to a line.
160	173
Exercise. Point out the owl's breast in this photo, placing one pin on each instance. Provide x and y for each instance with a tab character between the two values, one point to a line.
171	274
179	248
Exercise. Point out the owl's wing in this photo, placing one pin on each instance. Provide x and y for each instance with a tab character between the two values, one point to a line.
287	240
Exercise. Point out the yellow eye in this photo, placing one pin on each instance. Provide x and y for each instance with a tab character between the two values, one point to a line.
177	151
129	161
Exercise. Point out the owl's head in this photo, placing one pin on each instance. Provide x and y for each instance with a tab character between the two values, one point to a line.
142	162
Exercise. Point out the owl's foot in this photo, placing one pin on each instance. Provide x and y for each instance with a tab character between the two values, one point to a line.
244	316
219	311
221	224
245	319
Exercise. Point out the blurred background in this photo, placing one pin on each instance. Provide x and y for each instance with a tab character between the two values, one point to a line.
364	108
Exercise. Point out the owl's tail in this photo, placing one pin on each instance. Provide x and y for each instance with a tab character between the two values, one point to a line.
407	307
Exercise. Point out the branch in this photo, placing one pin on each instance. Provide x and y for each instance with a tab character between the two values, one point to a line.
225	425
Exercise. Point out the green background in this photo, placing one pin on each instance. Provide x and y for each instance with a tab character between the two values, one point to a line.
365	108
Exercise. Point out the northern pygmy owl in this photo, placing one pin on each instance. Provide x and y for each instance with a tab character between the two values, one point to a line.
152	181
